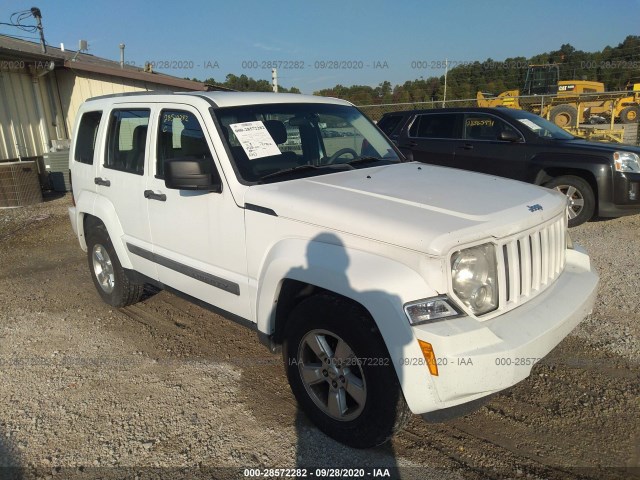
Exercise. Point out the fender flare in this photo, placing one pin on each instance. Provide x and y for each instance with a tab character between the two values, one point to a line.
98	206
354	274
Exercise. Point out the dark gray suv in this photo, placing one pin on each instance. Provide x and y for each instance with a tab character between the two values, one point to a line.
598	178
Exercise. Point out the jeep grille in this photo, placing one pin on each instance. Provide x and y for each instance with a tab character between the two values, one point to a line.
529	262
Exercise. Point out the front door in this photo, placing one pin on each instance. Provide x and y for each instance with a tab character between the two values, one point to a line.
482	150
198	236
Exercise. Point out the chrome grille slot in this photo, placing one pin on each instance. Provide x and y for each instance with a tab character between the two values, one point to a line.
531	262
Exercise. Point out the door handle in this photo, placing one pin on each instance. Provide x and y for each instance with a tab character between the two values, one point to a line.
102	181
467	146
413	144
151	195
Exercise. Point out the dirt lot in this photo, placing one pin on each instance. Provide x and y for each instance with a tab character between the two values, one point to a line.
165	388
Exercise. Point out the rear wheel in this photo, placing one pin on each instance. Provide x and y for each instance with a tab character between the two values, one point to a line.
340	372
107	273
564	115
580	195
629	115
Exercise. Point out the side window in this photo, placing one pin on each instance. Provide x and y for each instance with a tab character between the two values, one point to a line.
437	125
389	123
86	137
179	135
127	140
481	126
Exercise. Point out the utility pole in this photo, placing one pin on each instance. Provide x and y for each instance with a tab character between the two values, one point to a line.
446	70
38	16
274	79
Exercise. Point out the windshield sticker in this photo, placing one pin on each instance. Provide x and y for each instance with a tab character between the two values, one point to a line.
529	123
480	122
255	139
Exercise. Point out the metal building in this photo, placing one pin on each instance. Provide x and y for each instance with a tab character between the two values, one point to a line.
40	93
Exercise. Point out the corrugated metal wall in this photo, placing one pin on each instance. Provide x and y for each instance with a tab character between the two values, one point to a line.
23	133
20	133
76	87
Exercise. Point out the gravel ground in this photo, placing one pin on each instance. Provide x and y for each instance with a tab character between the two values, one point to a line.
165	389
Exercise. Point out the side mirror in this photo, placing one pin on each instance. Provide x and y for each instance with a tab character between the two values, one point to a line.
509	136
188	173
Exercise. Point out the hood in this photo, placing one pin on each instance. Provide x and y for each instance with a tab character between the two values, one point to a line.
604	148
422	207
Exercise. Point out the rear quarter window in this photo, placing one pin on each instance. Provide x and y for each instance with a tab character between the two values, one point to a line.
86	137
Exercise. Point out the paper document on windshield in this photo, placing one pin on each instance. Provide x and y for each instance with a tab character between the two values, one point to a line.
255	139
529	123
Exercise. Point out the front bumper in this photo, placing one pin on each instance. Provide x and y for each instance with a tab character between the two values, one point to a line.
478	358
626	196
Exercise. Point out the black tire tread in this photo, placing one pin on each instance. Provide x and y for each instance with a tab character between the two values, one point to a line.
624	114
568	109
357	317
126	292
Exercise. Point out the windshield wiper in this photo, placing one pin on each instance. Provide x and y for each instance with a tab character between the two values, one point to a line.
363	160
288	171
304	168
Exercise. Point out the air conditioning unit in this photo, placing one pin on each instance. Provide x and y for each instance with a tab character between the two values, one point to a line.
19	184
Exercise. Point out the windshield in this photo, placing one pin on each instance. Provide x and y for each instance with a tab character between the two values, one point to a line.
541	127
270	142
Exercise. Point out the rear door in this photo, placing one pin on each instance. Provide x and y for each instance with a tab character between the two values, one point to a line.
429	138
85	155
120	180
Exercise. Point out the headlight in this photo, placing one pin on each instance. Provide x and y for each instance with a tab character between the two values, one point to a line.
430	310
626	162
474	274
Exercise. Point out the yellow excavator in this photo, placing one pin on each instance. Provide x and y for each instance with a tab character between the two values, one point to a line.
566	102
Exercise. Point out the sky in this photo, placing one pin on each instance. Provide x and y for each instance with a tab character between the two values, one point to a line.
319	44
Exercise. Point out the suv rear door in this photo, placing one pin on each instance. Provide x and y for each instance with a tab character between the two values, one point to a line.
429	138
120	178
85	155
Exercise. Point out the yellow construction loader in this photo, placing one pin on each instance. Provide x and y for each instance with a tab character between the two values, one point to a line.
566	102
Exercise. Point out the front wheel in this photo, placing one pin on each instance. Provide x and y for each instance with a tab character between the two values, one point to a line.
581	198
340	372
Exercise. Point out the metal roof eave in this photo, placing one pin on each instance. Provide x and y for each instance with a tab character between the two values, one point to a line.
137	75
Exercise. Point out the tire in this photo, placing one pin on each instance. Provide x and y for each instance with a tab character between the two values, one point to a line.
580	194
564	115
629	115
107	273
374	407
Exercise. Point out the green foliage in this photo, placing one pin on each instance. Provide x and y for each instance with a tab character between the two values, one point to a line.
614	66
243	83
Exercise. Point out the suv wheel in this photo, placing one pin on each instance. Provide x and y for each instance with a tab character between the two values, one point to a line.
107	273
340	372
581	198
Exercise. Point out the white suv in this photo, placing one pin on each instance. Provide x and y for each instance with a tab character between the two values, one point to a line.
391	287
